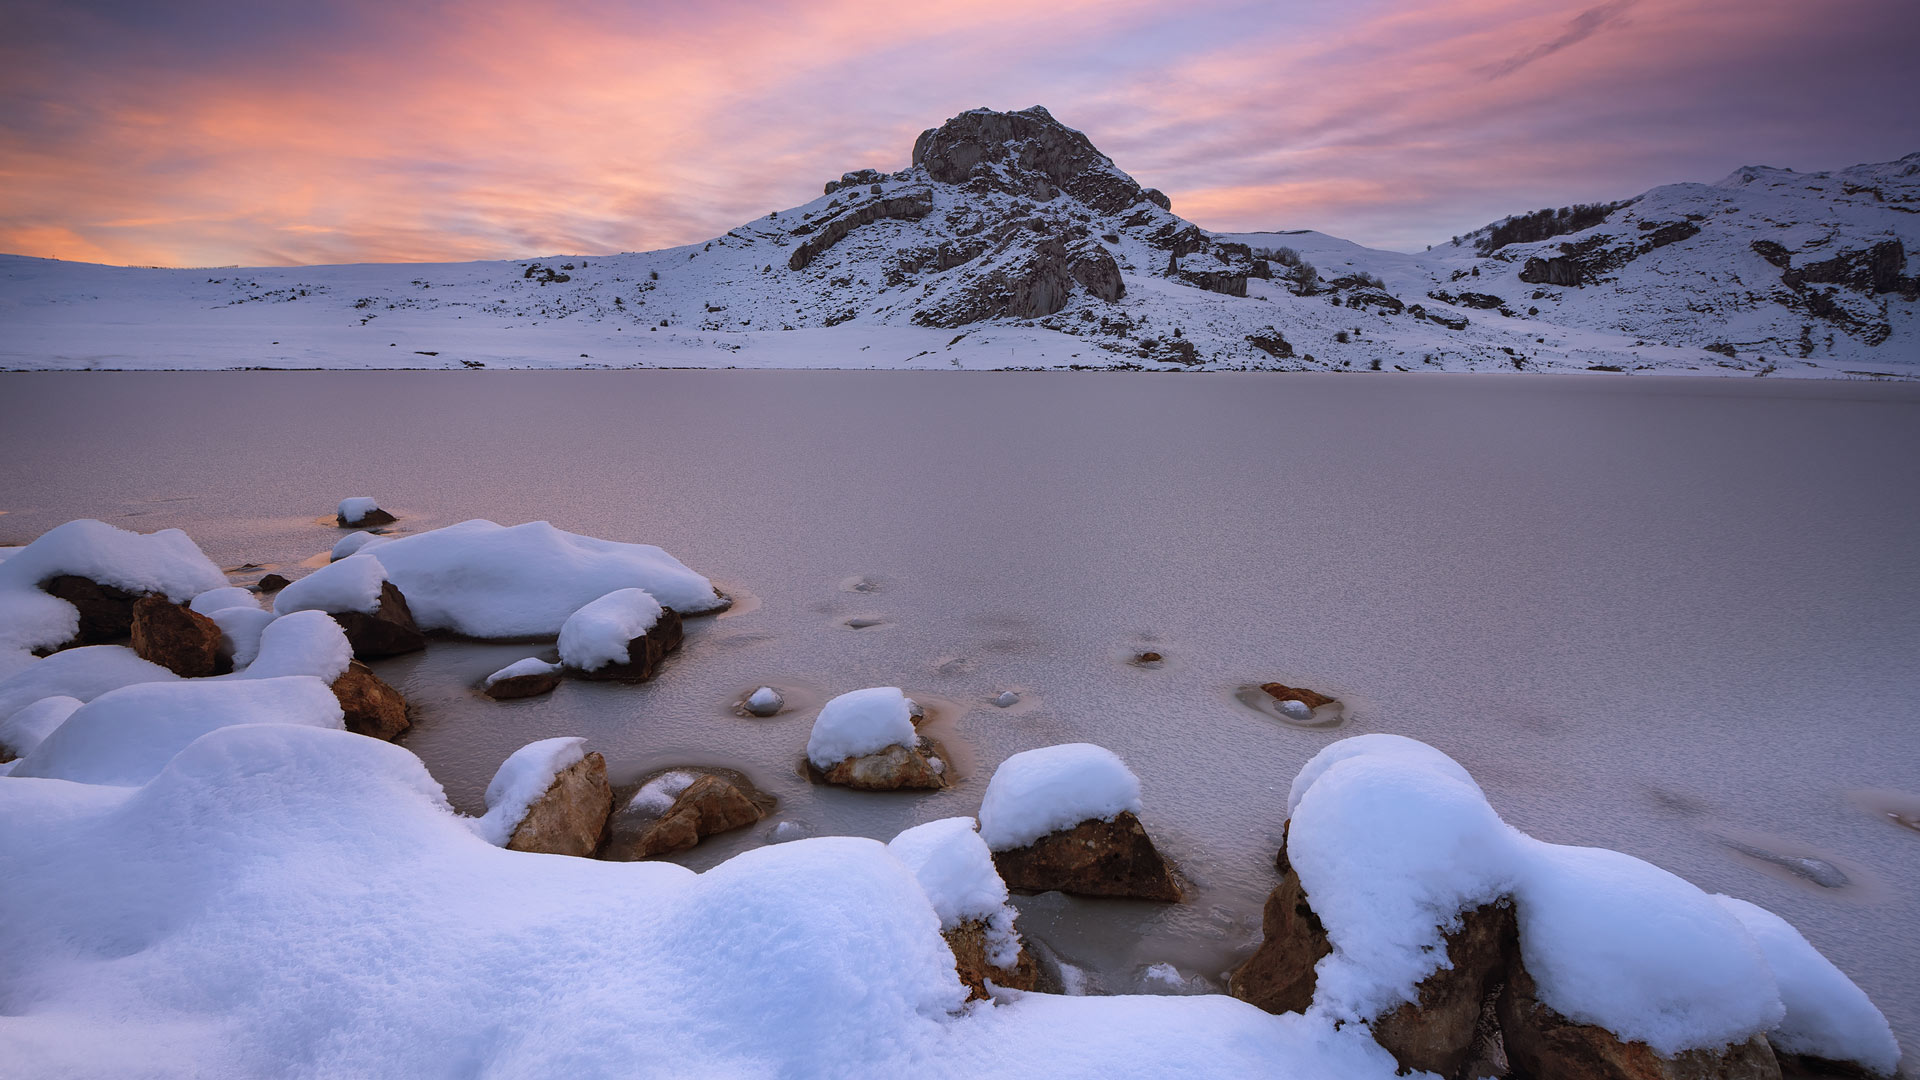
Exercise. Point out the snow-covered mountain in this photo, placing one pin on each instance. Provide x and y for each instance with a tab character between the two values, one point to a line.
1010	241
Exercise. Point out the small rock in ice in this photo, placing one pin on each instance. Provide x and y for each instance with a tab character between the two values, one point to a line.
788	830
765	701
1007	699
1296	710
361	511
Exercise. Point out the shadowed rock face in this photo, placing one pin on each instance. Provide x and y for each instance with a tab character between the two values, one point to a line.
372	706
1094	858
389	630
1038	158
183	641
106	612
1544	1045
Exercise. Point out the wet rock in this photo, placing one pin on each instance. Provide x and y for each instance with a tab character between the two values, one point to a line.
1312	699
765	701
968	941
177	638
645	653
372	707
388	630
1544	1045
106	612
922	767
709	805
273	583
571	818
1094	858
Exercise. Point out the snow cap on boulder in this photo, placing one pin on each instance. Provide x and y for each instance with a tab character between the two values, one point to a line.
352	584
520	781
1041	791
859	723
598	633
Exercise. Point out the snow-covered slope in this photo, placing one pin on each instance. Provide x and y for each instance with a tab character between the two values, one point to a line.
1011	242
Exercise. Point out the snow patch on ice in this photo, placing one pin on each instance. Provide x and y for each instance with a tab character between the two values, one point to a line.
522	779
860	723
1037	792
598	633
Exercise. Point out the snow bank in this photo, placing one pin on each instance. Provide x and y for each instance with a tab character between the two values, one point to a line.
29	726
955	868
532	665
352	510
303	643
240	630
353	542
521	780
1827	1015
598	633
1037	792
484	580
226	596
162	562
83	673
126	737
352	584
860	723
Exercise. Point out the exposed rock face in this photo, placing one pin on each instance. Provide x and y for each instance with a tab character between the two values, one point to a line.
571	818
372	706
906	206
969	944
106	612
1272	342
1279	976
1094	858
373	517
1544	1045
1557	270
522	686
855	178
388	630
1094	267
896	768
1437	1032
709	805
1024	153
644	653
1157	198
183	641
274	583
1223	282
1312	699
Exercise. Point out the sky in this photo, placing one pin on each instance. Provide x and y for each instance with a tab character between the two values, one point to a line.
213	134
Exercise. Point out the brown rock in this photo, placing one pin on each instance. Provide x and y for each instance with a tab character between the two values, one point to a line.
644	653
571	818
1279	976
969	944
1544	1045
371	706
1094	858
709	805
522	686
106	612
181	640
1437	1031
388	630
1310	698
892	769
373	517
274	582
1148	658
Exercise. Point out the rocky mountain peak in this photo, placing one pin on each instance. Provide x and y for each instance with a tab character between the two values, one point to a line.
1027	153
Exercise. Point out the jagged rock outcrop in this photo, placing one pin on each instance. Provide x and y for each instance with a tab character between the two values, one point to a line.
1094	858
1025	153
106	612
571	817
177	638
906	206
387	630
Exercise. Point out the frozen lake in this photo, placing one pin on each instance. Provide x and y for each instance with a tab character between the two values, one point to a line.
1677	617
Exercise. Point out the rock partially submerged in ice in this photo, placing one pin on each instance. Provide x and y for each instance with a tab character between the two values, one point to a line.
523	678
352	584
177	638
765	701
599	632
354	542
859	723
549	796
29	726
361	511
83	673
164	562
1041	791
125	737
1828	1018
701	805
484	580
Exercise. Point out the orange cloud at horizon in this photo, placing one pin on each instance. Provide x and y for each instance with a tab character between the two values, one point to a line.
468	131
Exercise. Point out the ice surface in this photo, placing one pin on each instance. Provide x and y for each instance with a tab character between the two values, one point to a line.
30	725
165	562
522	779
859	723
532	665
1037	792
598	633
125	737
1827	1015
352	584
352	510
485	580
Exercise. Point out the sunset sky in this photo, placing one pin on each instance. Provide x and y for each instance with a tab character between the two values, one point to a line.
195	134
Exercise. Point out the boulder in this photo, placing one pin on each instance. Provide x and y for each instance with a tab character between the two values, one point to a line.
1542	1044
968	941
273	582
1094	858
1279	976
1312	699
375	516
644	653
106	612
372	707
1157	198
921	767
388	630
1026	153
522	686
709	805
1094	267
571	818
177	638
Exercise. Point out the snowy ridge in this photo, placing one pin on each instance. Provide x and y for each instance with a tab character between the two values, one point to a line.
1011	242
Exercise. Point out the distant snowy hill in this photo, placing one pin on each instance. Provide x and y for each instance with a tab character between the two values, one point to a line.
1012	242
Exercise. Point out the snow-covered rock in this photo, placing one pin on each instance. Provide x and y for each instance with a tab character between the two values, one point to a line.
84	673
360	595
549	796
602	632
31	724
530	677
126	737
859	723
303	643
353	542
361	510
121	565
1041	791
955	868
227	596
766	701
240	630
